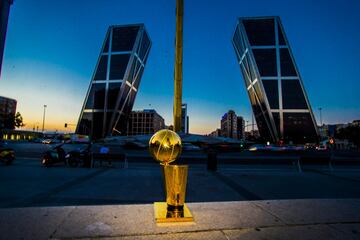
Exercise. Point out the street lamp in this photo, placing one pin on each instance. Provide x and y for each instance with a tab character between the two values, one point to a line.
320	116
44	119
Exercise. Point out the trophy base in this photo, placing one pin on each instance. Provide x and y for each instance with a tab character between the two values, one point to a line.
162	216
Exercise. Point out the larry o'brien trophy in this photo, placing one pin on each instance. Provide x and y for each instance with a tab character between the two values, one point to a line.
165	147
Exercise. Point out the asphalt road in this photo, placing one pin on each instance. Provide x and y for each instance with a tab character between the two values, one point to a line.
26	183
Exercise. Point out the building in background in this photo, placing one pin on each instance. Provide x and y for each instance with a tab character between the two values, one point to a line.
4	17
115	82
240	128
216	133
184	119
145	122
229	125
281	108
7	113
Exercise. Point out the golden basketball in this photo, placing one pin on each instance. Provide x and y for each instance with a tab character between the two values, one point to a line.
165	146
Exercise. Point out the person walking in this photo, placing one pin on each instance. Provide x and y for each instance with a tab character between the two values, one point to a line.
104	151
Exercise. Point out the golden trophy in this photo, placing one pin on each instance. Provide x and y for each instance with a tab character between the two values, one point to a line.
165	147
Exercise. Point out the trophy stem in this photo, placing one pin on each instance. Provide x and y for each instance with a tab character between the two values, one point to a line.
175	187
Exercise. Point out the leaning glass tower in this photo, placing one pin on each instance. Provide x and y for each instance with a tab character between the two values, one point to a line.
115	82
273	82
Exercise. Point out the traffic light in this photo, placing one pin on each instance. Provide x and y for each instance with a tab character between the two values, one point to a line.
65	125
332	141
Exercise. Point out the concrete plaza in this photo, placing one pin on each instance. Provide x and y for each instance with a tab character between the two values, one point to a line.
274	219
28	184
236	202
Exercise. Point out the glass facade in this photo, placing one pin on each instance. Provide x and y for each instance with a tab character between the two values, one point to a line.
115	82
4	15
101	69
266	62
292	95
118	66
272	93
260	32
278	99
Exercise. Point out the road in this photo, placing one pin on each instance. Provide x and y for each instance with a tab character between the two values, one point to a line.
26	183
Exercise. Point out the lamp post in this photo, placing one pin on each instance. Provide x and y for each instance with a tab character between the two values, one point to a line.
43	125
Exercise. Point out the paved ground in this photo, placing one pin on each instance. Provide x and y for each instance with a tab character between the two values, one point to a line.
239	201
27	184
275	219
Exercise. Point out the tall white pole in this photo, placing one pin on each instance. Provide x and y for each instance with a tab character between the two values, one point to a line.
43	125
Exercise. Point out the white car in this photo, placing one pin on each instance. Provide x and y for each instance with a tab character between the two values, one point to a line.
47	141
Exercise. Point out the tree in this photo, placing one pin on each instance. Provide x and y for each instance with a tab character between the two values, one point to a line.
18	120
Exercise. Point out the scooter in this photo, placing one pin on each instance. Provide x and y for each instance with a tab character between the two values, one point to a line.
7	155
81	156
54	155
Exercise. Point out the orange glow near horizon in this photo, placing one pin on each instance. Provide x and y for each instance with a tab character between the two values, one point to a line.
52	126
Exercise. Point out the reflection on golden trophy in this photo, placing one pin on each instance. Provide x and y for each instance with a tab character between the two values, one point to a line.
175	188
165	147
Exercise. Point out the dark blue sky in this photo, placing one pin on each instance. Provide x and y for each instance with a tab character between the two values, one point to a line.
52	48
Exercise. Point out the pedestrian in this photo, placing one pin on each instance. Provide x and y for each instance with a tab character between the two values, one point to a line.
104	151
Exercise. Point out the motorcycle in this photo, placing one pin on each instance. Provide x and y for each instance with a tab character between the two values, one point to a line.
81	156
7	155
54	155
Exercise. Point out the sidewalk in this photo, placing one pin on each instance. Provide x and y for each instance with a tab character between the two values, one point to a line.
275	219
